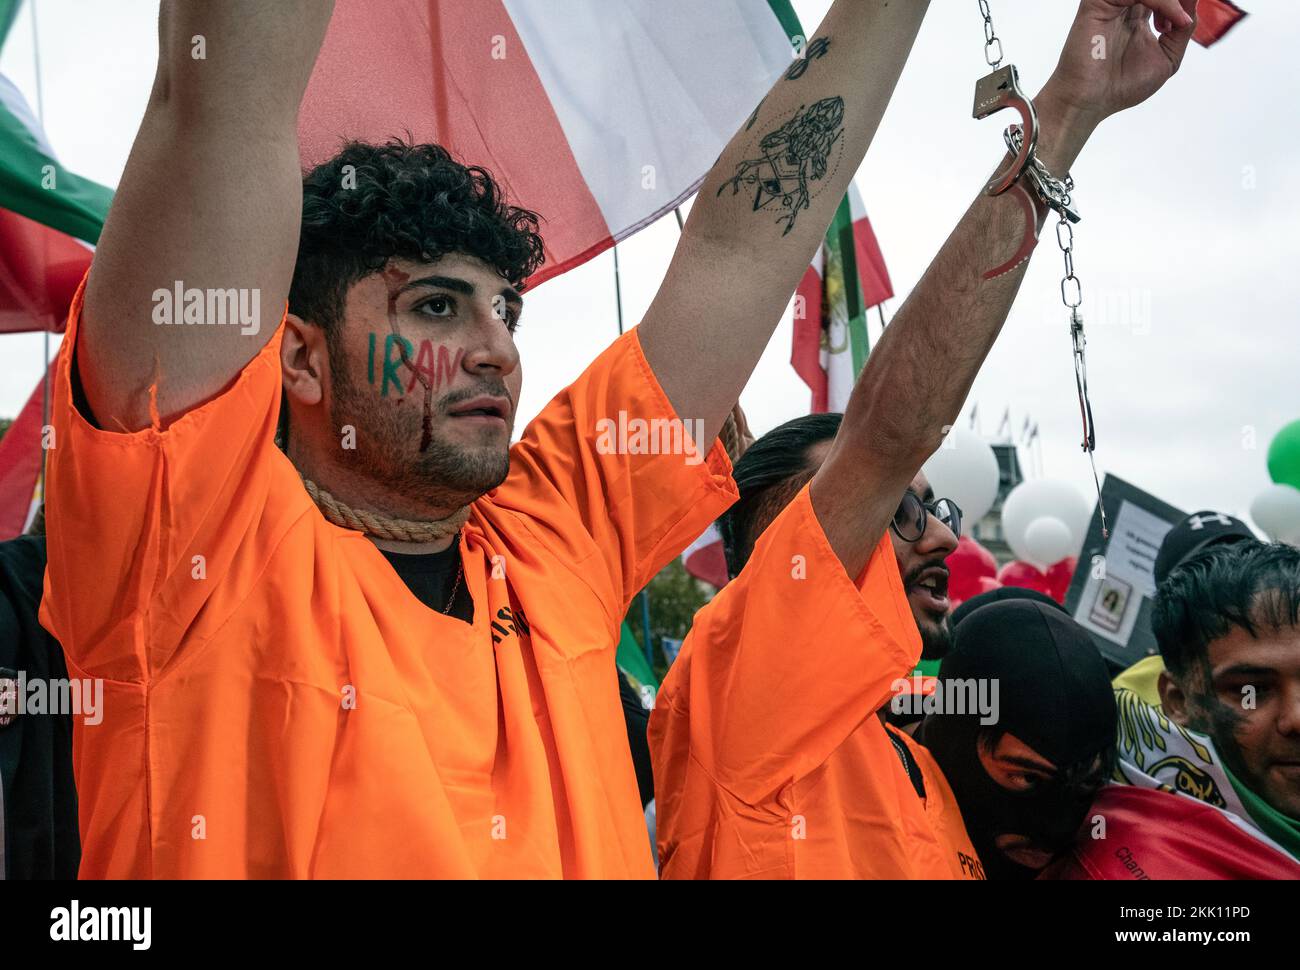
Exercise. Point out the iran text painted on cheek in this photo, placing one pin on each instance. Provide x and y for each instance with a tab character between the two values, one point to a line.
394	281
435	365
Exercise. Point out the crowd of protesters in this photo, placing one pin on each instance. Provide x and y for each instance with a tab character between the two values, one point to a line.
397	658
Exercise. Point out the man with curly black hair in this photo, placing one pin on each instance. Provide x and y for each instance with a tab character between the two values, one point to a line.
365	210
385	648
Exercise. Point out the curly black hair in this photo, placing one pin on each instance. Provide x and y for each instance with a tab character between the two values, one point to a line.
373	203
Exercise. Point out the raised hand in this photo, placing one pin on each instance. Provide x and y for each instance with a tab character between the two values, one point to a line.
1112	61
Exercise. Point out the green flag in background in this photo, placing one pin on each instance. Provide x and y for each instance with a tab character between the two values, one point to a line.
32	181
631	660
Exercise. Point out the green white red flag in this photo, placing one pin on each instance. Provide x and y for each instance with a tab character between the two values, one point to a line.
599	116
20	467
848	277
49	220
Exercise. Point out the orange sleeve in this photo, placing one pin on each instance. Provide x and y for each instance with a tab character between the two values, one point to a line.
128	513
786	661
604	477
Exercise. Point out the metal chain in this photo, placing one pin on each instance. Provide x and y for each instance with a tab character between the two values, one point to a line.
460	573
991	40
1072	297
1056	194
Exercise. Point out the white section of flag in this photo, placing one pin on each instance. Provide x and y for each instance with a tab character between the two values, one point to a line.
12	100
685	70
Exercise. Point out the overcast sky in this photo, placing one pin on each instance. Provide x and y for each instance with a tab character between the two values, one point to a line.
1187	249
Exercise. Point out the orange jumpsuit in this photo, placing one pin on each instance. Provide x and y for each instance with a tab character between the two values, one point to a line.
278	704
770	760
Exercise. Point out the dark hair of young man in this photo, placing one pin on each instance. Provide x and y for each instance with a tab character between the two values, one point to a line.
768	475
1248	584
370	204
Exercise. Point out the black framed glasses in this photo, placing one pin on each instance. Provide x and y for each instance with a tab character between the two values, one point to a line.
910	520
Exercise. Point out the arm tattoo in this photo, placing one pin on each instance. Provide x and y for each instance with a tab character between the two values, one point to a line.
816	51
792	158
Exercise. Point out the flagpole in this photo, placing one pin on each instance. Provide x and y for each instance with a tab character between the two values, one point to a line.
618	291
644	595
45	352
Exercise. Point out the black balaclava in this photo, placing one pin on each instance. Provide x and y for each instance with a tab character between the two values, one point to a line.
1054	694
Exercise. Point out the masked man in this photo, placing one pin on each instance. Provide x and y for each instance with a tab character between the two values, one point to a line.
1025	776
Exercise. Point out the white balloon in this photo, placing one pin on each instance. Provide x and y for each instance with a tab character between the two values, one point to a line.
1047	541
965	470
1276	510
1045	497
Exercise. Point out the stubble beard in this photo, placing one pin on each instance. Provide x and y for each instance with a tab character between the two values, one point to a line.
441	475
936	637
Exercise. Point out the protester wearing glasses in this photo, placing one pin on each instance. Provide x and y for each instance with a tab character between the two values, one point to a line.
924	531
779	671
770	758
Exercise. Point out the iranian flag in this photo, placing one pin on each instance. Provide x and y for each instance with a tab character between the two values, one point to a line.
21	467
847	277
32	181
49	219
599	116
705	560
40	269
631	659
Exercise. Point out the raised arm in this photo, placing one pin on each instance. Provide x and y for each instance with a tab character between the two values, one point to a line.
764	208
917	377
211	199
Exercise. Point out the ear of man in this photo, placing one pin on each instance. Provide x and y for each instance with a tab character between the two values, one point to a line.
303	356
1180	698
1172	698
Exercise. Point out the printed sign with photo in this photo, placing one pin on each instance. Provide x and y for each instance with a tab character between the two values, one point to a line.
1113	585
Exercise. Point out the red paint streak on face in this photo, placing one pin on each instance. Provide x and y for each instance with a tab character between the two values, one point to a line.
436	364
394	280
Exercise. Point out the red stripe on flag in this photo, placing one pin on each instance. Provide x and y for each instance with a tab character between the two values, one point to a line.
708	563
40	269
806	350
876	286
1214	18
809	309
427	67
20	465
